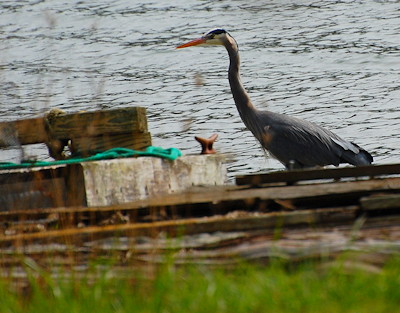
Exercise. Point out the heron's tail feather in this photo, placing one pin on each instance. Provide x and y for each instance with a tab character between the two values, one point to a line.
363	157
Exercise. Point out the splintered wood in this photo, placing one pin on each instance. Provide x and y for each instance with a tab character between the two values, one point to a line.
220	225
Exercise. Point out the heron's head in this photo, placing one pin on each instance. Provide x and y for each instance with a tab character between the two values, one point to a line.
215	37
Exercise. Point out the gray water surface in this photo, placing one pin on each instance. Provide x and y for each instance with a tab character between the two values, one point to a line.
336	63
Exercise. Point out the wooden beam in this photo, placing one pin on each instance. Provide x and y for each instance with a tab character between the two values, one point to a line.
76	125
22	132
194	225
220	194
45	193
227	196
91	124
315	174
90	145
380	202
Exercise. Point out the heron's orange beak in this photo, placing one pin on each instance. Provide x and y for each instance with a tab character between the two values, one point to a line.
195	42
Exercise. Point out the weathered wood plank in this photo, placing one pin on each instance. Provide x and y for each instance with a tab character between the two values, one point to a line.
28	131
39	188
10	176
378	202
44	193
227	195
90	145
219	194
298	244
194	225
67	126
91	124
370	247
314	174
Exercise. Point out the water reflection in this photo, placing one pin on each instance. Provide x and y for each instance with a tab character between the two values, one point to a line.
334	63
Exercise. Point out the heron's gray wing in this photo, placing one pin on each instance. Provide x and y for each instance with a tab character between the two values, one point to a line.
302	142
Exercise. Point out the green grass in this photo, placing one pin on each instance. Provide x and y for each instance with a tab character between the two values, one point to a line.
248	288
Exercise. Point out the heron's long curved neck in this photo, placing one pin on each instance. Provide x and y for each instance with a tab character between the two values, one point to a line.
242	99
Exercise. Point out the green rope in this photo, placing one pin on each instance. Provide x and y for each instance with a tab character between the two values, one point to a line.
114	153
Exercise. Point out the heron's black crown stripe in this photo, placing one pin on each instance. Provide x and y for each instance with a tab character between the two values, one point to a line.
218	31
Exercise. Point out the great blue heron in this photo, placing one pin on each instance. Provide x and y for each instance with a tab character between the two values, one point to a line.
294	142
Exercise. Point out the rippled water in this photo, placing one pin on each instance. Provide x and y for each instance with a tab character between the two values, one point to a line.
336	63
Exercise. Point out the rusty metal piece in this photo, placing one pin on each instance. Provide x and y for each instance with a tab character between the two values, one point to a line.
207	144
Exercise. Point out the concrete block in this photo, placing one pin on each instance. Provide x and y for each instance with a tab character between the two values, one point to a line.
110	182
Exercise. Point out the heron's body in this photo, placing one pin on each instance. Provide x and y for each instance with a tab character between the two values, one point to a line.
294	142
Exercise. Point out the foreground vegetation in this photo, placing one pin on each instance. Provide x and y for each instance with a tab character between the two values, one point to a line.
272	288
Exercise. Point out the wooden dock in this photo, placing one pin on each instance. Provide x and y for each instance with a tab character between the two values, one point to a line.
56	215
314	216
